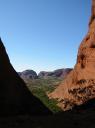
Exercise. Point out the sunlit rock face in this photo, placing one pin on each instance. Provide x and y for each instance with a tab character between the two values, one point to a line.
15	98
79	85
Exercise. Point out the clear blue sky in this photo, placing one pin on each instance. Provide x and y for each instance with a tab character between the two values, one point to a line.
43	34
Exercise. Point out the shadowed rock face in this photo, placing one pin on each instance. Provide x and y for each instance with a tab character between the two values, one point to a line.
15	98
79	86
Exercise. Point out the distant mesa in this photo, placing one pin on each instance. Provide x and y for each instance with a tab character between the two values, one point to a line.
28	74
79	86
15	98
32	75
59	73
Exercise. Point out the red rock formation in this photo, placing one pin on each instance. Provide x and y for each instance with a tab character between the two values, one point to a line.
15	98
79	86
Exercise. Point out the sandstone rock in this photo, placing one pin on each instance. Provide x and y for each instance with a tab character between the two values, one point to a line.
15	98
79	85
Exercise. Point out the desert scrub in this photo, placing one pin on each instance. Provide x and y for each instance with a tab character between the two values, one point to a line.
51	104
40	87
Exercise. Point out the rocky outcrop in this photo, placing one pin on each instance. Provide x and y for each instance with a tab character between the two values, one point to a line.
61	73
79	85
15	98
28	74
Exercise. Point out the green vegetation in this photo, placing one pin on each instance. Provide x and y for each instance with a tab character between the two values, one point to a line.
40	88
51	104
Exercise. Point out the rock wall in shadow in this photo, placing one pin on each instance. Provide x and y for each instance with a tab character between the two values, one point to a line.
15	98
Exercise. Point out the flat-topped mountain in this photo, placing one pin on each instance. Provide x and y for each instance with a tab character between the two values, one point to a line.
31	74
79	85
61	73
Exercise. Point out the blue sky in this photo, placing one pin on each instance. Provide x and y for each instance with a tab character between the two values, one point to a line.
43	34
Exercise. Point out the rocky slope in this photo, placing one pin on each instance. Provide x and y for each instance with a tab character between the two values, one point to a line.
56	73
79	85
15	98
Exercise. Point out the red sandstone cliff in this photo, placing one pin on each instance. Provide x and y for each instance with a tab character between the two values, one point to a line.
79	86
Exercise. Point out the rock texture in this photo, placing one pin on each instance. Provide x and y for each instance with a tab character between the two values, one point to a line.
61	73
79	85
15	98
28	74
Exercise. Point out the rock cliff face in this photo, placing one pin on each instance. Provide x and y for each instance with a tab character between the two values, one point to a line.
15	98
79	85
